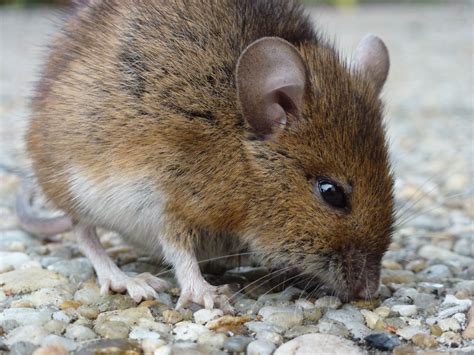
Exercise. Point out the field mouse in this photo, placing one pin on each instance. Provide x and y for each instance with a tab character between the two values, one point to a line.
189	125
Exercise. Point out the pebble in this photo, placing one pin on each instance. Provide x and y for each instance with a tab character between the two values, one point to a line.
405	310
139	333
312	314
383	312
382	341
214	340
172	316
188	331
237	343
397	276
28	333
12	260
112	329
371	318
451	339
416	265
53	339
49	296
26	316
88	295
29	280
285	317
432	252
22	348
352	319
325	344
53	349
79	333
273	337
77	270
449	324
435	273
260	347
409	332
257	327
326	326
205	315
328	302
55	327
469	330
424	341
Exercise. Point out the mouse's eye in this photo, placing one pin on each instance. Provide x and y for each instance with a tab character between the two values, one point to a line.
332	193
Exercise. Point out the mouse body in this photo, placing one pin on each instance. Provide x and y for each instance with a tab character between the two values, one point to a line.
202	128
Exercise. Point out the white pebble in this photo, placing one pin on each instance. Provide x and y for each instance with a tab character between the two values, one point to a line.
260	347
206	315
405	310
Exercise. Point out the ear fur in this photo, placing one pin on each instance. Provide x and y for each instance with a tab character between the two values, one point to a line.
271	79
372	59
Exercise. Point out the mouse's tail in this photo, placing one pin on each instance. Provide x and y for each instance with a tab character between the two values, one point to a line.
44	227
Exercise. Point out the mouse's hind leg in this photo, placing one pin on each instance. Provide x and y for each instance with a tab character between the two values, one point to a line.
109	275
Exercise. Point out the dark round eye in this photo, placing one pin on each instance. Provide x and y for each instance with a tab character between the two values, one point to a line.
332	193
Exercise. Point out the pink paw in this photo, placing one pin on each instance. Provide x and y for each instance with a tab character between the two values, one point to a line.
206	295
139	287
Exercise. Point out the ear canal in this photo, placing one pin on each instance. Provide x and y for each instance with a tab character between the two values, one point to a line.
271	80
372	59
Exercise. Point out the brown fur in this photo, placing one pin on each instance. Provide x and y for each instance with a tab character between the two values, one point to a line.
147	87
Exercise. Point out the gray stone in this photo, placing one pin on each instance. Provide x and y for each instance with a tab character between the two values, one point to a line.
320	343
79	333
352	319
88	295
382	341
260	347
298	330
23	348
409	332
285	317
237	343
432	252
435	273
28	333
55	339
328	302
27	316
326	326
77	270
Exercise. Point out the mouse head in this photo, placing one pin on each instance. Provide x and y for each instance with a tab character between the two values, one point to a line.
321	199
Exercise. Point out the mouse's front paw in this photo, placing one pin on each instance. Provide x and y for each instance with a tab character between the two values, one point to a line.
139	287
206	295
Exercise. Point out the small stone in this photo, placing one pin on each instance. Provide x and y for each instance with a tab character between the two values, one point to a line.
172	316
462	294
55	327
397	276
435	273
273	337
326	326
395	322
367	304
214	340
77	270
260	347
12	260
257	327
21	304
424	300
371	318
26	316
312	314
298	330
410	331
237	344
391	265
53	349
404	350
382	341
149	346
79	332
328	302
88	312
62	317
405	310
436	330
451	339
139	333
52	340
112	329
425	341
325	344
187	331
29	333
416	265
29	280
432	252
469	330
449	324
383	312
49	296
87	295
465	285
205	315
70	304
352	319
285	317
304	304
110	346
228	323
22	348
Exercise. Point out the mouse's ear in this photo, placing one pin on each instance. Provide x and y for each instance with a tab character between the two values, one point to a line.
271	79
371	58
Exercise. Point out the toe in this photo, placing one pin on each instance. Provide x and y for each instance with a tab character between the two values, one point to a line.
104	288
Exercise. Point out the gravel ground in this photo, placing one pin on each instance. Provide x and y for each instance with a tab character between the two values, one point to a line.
49	300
